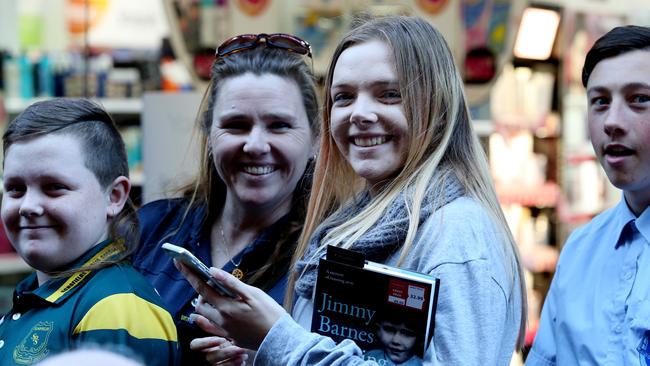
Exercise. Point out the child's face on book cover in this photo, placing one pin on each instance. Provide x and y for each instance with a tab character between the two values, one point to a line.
53	206
398	340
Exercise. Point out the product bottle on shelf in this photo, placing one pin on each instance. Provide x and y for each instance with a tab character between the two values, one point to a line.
26	75
11	77
45	77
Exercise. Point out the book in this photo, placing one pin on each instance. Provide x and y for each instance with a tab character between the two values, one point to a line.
387	311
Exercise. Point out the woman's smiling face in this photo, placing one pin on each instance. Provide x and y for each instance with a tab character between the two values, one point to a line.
260	139
368	122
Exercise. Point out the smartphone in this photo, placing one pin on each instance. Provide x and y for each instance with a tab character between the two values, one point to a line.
195	265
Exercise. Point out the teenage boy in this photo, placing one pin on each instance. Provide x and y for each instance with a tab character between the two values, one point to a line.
597	311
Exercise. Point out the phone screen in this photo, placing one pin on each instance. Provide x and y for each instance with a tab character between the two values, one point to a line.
196	266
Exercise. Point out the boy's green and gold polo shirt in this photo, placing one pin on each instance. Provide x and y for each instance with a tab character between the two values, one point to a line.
113	307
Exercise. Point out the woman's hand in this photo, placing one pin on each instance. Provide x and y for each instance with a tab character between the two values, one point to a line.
220	351
246	319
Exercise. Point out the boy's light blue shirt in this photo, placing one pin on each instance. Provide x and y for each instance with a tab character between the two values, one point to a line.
597	311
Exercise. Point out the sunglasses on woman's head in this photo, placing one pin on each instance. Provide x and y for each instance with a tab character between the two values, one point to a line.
246	42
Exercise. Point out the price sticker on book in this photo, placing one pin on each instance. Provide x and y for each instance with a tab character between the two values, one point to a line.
415	297
397	292
406	294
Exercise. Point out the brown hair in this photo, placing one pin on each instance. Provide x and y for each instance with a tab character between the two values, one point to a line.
208	188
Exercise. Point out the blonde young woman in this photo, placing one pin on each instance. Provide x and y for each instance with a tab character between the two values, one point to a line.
402	177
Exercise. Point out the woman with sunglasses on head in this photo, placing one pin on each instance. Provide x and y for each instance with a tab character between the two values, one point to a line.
245	210
402	177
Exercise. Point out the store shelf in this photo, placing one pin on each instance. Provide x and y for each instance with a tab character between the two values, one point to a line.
545	195
483	127
137	177
577	159
112	105
577	218
11	263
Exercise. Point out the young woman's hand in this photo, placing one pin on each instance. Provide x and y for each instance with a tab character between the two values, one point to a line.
220	351
246	319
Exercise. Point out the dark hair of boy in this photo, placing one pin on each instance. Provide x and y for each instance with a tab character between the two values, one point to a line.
102	146
616	42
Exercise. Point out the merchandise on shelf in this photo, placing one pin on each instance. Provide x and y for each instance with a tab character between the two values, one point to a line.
521	97
132	136
67	74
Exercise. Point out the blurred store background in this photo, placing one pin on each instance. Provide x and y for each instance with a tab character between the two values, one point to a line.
147	62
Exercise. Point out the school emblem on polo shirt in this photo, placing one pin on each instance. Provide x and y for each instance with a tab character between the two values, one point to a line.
644	350
33	347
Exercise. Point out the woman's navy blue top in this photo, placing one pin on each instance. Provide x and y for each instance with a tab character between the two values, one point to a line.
159	222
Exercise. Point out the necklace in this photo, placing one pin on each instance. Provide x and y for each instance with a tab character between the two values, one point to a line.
238	273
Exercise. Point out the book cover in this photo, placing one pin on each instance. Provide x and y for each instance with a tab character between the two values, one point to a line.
388	312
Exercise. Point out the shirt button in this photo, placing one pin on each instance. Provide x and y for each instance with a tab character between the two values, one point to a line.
2	343
627	275
618	329
15	316
195	302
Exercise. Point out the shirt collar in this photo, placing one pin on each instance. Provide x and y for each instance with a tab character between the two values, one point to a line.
621	217
643	225
56	290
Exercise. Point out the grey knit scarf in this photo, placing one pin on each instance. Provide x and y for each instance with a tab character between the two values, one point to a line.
385	237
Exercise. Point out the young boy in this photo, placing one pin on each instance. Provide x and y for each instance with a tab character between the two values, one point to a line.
597	311
66	211
399	341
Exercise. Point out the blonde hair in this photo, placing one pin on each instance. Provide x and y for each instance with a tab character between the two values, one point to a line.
441	134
